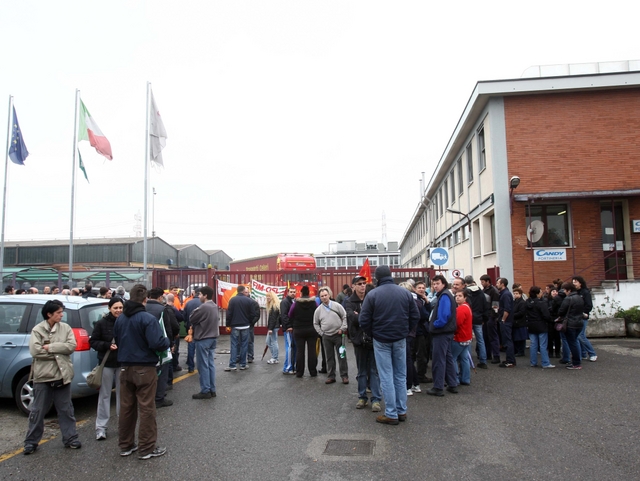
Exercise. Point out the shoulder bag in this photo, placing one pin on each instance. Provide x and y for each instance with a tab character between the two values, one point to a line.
94	378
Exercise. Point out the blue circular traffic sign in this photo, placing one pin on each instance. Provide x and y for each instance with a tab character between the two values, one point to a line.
439	256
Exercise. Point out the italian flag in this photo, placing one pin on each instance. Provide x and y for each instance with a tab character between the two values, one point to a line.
89	130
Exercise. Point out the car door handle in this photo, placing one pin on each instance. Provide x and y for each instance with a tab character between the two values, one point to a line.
9	344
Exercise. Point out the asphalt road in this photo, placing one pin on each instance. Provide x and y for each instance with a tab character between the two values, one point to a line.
520	423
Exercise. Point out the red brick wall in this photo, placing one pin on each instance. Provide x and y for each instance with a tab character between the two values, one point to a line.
573	142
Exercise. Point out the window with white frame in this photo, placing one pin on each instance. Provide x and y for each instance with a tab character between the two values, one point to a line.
440	205
445	188
351	261
482	160
456	236
452	184
460	184
470	163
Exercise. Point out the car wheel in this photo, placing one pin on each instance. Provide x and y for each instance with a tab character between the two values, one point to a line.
24	395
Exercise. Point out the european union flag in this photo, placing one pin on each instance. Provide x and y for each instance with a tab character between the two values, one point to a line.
17	150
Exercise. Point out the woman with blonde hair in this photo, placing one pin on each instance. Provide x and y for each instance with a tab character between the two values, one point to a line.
273	308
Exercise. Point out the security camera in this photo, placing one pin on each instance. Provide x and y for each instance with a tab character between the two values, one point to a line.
514	182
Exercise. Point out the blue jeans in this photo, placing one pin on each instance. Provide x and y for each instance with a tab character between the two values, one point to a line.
391	360
585	345
272	342
574	345
251	343
566	352
366	364
480	347
461	353
206	366
539	342
239	343
289	352
191	351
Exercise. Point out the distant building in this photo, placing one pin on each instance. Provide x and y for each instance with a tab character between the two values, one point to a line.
350	254
110	252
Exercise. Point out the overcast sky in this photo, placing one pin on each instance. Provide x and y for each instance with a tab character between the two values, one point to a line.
291	124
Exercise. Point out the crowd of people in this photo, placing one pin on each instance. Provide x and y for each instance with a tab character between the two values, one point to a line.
88	291
395	331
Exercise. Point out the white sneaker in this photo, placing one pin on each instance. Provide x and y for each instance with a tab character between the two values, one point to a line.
409	392
550	366
593	358
416	389
230	368
272	361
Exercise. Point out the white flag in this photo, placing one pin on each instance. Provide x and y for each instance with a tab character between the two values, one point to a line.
157	133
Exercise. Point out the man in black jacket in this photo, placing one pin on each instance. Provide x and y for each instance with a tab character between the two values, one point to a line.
362	347
491	332
171	327
480	309
289	366
243	312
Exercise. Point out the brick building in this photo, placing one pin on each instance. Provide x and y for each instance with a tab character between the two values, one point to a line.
540	179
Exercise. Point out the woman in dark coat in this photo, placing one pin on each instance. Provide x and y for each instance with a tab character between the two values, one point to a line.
102	341
520	334
538	320
572	309
301	316
585	346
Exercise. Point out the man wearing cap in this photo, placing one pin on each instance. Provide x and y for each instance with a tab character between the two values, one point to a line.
362	347
388	314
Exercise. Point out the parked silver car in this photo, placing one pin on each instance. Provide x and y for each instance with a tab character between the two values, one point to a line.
18	315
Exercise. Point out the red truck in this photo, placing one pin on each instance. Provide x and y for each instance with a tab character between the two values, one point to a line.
280	269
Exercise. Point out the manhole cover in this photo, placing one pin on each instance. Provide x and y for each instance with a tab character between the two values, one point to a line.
349	447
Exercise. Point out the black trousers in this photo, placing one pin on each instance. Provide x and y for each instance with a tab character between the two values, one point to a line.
306	341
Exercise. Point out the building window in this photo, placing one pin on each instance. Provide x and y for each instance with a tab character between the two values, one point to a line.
456	236
476	237
342	262
321	261
452	183
331	262
373	261
446	194
383	260
465	232
440	205
351	261
547	225
361	261
489	233
482	160
460	186
470	163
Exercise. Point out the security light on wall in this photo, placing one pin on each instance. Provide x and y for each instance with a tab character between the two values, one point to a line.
514	182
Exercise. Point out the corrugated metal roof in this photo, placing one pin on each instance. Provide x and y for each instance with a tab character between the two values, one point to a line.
65	242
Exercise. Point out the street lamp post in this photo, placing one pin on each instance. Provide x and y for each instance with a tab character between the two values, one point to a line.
470	237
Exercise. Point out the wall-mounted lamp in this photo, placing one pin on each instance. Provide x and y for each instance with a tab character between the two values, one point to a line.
514	182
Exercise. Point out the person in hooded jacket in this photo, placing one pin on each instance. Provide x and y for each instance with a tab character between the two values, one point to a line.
554	344
538	320
388	314
102	341
301	317
139	338
572	309
480	307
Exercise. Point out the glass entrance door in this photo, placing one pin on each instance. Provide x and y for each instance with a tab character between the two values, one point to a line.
613	240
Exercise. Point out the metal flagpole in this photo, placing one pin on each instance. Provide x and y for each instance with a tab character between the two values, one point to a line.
4	192
73	183
146	182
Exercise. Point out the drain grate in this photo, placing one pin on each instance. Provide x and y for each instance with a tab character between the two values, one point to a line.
349	447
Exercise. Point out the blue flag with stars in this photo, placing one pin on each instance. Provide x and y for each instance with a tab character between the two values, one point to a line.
17	150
